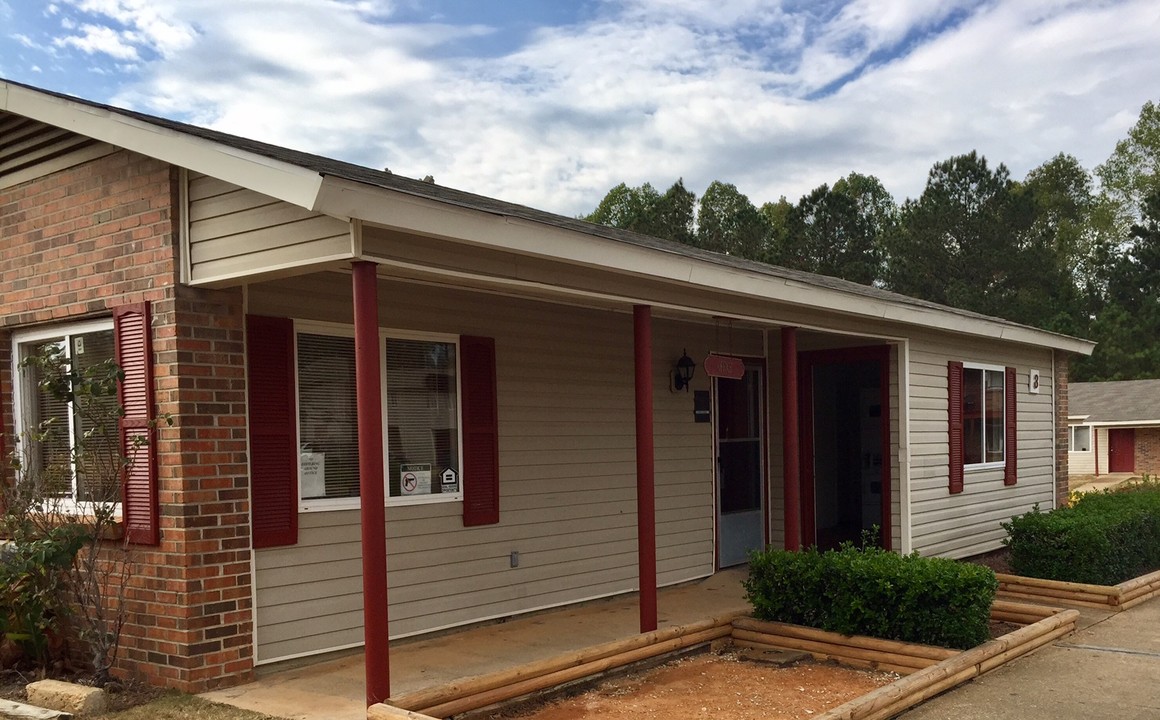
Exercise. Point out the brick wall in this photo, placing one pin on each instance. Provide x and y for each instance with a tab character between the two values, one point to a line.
1061	431
73	245
1148	451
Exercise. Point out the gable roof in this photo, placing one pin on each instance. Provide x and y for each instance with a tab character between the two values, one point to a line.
1120	401
302	179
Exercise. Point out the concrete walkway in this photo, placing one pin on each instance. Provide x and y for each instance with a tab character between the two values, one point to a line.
1108	670
335	690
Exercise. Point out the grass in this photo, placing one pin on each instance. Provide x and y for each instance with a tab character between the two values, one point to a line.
178	706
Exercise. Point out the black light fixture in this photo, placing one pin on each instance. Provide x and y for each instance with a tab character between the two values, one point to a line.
683	372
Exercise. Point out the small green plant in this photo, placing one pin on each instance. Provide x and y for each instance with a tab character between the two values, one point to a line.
64	573
1102	538
34	593
875	592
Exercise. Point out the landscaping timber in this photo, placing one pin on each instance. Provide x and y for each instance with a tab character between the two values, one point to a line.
946	674
937	669
1112	598
484	690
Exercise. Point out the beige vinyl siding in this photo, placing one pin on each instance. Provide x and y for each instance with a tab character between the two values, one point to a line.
234	230
31	149
1083	462
567	467
968	523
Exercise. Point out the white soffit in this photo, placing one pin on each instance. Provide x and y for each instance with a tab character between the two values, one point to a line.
280	180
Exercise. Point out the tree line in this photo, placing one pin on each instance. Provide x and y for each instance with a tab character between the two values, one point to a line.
1064	249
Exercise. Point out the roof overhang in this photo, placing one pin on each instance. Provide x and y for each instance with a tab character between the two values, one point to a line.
360	202
280	180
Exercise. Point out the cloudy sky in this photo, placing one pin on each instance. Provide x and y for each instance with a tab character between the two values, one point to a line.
551	103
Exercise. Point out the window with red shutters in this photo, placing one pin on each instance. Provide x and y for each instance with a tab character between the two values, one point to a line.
480	431
134	354
955	424
1010	472
273	431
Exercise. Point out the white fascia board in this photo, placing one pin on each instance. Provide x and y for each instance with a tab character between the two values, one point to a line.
1126	423
381	206
281	180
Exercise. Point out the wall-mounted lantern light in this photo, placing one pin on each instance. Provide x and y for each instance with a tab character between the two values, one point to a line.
683	372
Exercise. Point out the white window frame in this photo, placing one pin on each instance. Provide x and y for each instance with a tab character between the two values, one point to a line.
1071	438
994	464
313	327
21	390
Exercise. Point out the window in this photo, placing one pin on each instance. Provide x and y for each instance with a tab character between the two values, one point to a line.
421	418
983	429
54	460
982	414
1081	438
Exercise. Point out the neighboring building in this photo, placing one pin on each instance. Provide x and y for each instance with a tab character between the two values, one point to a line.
1114	427
499	415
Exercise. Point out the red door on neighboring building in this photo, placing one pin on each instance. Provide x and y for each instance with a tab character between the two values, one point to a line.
1122	450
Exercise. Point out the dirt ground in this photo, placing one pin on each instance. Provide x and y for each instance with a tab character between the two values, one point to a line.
722	687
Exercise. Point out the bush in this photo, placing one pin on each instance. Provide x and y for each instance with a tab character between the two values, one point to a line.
34	586
1103	538
874	592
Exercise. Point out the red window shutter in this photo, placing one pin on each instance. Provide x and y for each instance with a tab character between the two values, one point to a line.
273	431
955	424
1010	439
134	354
480	431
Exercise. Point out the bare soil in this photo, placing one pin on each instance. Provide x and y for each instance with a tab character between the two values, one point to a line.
998	560
715	686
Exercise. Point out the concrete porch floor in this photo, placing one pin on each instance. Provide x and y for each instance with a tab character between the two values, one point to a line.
334	690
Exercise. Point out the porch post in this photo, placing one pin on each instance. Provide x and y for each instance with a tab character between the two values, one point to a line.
645	494
789	438
368	383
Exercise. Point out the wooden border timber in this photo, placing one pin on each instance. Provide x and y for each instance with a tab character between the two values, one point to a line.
481	691
907	659
888	701
1112	598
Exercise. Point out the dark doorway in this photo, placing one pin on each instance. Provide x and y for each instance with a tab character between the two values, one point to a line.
845	410
1122	450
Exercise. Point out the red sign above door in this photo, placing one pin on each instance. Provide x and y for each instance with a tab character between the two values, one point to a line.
723	366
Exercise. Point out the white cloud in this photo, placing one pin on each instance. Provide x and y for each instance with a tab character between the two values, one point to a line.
99	39
776	98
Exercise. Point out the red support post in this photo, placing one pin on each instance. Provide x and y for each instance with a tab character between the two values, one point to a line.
791	475
368	383
646	532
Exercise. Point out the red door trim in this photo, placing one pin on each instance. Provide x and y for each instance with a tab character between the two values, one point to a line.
806	362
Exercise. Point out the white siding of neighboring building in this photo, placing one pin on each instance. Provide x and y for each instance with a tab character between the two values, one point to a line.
1083	462
968	523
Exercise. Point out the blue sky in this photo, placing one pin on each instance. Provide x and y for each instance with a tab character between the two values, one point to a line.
551	103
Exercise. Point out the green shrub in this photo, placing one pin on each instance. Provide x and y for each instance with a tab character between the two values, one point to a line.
1103	539
33	586
874	592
